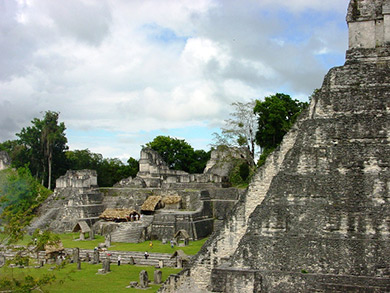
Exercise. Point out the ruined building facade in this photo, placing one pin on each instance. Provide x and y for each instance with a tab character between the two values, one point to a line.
169	200
316	217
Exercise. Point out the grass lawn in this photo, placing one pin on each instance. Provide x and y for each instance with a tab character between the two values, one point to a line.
68	240
69	279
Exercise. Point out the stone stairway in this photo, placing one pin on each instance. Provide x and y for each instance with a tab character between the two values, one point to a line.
131	232
41	222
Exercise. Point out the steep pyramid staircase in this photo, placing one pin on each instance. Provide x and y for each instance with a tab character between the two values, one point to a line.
131	232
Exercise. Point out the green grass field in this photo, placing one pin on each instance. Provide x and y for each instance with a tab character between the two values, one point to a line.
69	279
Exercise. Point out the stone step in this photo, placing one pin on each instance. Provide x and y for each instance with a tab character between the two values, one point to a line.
128	232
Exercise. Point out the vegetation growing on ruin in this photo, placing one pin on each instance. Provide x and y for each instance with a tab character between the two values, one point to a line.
240	129
276	115
179	155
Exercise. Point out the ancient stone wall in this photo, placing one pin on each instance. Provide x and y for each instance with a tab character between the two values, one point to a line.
77	179
198	224
154	173
369	23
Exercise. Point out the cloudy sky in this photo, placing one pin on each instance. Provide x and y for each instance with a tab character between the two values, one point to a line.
121	72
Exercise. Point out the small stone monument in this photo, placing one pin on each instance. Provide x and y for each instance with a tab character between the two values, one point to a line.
143	279
76	254
157	277
2	260
96	257
131	261
79	264
106	266
92	234
107	241
87	257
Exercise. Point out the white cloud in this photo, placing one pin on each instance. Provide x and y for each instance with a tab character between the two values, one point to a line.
132	66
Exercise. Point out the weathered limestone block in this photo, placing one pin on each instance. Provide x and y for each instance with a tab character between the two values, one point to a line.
368	23
157	277
75	254
77	179
96	257
143	279
106	266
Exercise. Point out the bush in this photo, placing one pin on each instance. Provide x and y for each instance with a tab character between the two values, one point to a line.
240	174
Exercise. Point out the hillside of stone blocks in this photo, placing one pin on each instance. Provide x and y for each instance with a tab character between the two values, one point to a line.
316	217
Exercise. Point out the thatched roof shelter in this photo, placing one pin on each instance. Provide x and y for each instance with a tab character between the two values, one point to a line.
182	234
151	203
180	253
171	199
117	214
81	226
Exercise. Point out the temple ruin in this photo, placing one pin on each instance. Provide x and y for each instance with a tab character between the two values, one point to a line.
155	173
316	216
156	204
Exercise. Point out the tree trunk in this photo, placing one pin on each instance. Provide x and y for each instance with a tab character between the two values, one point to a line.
49	166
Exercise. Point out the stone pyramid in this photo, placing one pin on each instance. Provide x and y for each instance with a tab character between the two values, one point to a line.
316	217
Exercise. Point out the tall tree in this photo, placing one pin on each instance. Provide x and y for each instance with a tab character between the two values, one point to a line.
178	154
45	143
240	129
276	114
52	140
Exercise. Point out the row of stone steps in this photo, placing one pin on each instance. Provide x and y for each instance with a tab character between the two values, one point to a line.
131	232
138	257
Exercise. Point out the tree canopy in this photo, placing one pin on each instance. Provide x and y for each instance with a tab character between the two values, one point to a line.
179	155
110	171
20	196
43	144
276	114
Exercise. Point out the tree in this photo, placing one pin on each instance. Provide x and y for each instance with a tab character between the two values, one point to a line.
179	155
83	159
132	167
53	140
240	129
275	116
45	144
17	152
110	171
20	196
